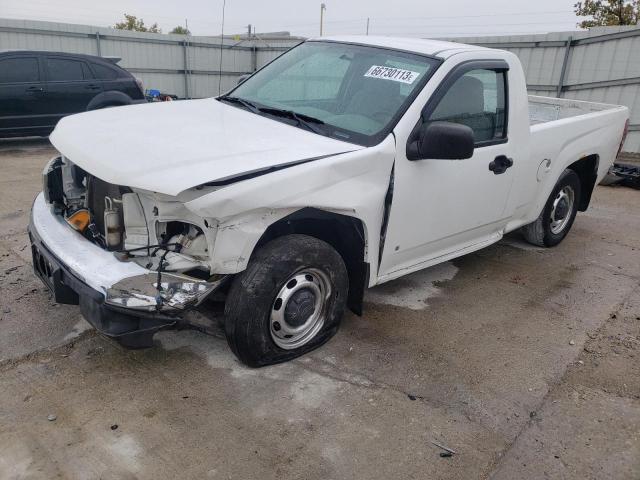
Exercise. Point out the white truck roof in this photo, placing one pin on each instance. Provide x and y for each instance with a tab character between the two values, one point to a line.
418	45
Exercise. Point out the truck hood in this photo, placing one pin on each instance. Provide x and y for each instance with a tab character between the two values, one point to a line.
170	147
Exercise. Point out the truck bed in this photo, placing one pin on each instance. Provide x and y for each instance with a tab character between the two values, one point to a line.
550	109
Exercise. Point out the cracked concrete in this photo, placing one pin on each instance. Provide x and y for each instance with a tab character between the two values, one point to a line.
522	360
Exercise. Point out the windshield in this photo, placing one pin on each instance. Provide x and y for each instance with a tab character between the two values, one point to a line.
352	92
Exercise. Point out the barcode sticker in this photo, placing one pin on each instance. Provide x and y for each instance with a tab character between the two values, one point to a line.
390	73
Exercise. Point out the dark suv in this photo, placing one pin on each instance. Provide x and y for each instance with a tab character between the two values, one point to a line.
37	89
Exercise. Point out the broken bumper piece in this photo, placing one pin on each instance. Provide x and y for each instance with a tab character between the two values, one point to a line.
120	299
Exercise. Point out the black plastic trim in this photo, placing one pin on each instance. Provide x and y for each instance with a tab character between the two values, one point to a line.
264	171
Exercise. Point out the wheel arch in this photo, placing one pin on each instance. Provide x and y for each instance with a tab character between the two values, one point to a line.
587	170
113	97
344	233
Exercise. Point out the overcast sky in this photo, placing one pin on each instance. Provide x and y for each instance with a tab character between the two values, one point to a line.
424	18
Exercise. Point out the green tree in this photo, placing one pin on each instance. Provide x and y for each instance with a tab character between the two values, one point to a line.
608	12
131	22
180	31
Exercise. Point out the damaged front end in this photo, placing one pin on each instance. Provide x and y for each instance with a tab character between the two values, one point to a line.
133	260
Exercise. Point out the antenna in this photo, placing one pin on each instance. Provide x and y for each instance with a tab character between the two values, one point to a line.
224	4
323	7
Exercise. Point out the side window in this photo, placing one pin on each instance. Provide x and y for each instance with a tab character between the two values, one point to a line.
476	99
86	72
19	70
63	69
104	73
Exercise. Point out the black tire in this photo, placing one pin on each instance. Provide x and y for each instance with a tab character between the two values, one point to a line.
254	291
540	232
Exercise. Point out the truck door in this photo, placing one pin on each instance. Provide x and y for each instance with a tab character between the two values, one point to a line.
70	85
21	95
442	208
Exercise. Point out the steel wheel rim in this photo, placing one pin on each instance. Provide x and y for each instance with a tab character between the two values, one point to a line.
289	325
562	209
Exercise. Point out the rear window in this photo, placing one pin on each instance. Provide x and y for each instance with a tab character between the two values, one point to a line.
17	70
63	69
104	73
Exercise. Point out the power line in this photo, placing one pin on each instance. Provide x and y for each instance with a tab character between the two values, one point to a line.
500	14
385	24
426	25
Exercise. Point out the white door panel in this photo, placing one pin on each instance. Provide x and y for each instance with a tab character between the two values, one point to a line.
444	206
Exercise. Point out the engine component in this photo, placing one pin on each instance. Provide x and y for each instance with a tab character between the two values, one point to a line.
193	251
136	233
73	186
112	226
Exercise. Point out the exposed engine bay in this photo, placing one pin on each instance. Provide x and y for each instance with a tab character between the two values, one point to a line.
153	230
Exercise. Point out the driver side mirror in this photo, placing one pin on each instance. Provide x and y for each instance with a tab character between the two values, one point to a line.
441	141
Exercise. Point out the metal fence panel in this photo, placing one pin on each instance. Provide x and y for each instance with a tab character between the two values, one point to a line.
602	64
185	66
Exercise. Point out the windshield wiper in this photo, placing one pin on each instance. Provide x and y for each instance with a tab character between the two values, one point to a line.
240	101
303	120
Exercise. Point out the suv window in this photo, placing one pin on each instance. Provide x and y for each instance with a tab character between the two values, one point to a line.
104	73
476	99
63	69
21	69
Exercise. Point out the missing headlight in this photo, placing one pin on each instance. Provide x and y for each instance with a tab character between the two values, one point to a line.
176	292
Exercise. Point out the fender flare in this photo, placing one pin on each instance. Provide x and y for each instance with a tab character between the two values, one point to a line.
109	98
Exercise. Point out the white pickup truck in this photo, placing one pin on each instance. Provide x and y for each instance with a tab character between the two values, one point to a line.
345	163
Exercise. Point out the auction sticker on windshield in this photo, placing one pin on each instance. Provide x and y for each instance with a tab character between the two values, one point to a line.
390	73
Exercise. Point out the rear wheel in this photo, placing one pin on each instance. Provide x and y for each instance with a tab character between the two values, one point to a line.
558	214
289	300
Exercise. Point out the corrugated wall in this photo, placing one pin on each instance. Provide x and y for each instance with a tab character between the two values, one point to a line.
602	64
184	66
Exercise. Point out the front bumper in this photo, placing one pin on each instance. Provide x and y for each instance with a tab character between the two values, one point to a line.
79	272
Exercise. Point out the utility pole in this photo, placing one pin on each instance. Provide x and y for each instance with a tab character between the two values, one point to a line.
323	7
367	25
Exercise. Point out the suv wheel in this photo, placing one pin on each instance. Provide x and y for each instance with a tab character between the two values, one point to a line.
289	300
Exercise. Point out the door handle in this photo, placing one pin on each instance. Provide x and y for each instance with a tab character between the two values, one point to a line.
500	164
34	89
92	87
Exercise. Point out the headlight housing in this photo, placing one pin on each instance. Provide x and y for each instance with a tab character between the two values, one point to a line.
177	292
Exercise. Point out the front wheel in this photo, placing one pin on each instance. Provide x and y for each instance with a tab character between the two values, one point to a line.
558	214
289	300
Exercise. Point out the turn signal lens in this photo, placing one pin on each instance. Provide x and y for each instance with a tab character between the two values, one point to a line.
79	219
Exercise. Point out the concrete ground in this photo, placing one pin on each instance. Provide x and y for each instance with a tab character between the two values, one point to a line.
524	361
